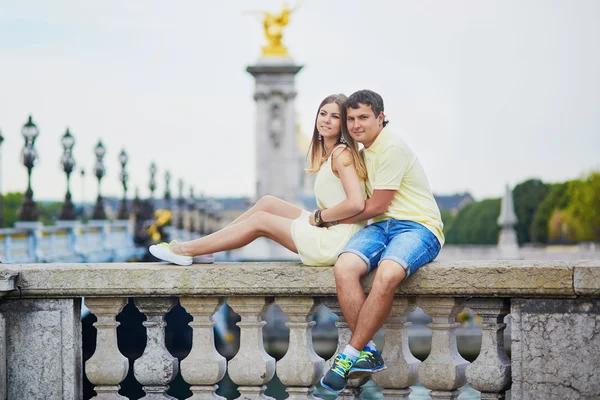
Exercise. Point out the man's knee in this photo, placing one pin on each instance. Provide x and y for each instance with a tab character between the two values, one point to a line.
389	275
349	266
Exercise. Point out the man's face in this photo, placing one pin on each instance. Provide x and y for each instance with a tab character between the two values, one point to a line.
363	125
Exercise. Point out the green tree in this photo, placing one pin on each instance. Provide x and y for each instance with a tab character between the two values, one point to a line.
557	199
11	206
527	198
476	223
448	219
583	211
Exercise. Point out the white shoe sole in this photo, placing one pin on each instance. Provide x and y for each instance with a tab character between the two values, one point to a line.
204	259
163	253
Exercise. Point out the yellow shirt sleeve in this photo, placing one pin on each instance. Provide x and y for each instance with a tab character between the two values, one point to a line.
391	167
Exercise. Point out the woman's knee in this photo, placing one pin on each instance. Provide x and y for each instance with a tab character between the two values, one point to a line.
266	202
258	220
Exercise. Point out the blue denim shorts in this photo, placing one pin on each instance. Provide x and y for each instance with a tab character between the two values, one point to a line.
408	243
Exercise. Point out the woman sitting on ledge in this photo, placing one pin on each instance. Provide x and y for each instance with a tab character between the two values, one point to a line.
340	193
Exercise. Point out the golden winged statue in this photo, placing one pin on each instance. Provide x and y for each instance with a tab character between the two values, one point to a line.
273	27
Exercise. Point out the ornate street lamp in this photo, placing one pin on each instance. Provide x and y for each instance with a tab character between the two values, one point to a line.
152	184
99	170
123	214
1	196
28	210
167	191
67	211
180	206
192	208
202	215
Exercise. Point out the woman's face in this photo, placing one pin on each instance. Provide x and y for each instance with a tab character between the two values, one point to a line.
329	120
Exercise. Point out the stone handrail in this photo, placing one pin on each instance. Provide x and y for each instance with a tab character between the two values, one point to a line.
554	307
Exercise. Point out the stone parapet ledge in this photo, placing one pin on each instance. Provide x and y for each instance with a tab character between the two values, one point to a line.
463	279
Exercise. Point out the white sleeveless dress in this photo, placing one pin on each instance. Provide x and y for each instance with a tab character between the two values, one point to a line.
321	246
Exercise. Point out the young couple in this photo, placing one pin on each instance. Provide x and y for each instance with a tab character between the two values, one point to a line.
406	232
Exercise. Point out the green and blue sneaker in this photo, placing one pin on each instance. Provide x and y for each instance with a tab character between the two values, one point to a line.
336	378
369	361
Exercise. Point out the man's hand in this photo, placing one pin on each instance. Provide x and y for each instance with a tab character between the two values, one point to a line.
311	219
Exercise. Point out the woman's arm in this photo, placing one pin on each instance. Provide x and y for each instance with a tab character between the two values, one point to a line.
355	200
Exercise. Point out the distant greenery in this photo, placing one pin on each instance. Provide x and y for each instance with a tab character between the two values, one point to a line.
49	212
547	213
475	224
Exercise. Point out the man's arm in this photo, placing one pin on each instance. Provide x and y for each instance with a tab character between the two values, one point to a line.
376	205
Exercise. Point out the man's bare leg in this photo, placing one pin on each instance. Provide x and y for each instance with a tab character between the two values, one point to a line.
348	270
378	304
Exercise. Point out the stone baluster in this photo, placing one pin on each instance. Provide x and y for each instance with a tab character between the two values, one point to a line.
490	373
352	390
444	369
402	367
301	367
204	366
156	367
251	367
107	367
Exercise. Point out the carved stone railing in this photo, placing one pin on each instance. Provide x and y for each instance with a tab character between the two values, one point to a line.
555	310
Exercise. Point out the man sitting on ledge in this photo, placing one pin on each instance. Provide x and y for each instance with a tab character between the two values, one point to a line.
406	234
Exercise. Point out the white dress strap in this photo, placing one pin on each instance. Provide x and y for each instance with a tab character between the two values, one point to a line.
337	147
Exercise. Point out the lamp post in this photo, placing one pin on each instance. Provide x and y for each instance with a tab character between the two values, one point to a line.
123	214
180	206
202	215
192	208
167	205
67	211
99	170
152	185
1	196
28	210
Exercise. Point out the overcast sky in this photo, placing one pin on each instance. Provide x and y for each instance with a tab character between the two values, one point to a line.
485	92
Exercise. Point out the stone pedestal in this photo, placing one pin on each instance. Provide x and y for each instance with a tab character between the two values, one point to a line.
555	349
43	348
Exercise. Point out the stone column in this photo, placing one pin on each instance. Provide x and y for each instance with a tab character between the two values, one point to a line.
156	367
301	367
107	367
402	367
444	369
490	372
352	390
251	367
204	366
276	139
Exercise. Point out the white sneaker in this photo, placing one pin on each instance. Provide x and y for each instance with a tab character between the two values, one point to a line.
204	259
163	252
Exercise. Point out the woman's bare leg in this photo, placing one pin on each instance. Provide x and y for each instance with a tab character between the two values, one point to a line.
237	235
273	205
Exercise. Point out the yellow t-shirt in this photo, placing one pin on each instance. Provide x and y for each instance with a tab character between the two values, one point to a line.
391	164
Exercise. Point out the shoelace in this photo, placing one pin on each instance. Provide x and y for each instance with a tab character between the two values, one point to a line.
165	244
342	366
364	356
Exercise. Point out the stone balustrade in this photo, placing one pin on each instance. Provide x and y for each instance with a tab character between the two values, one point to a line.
555	310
